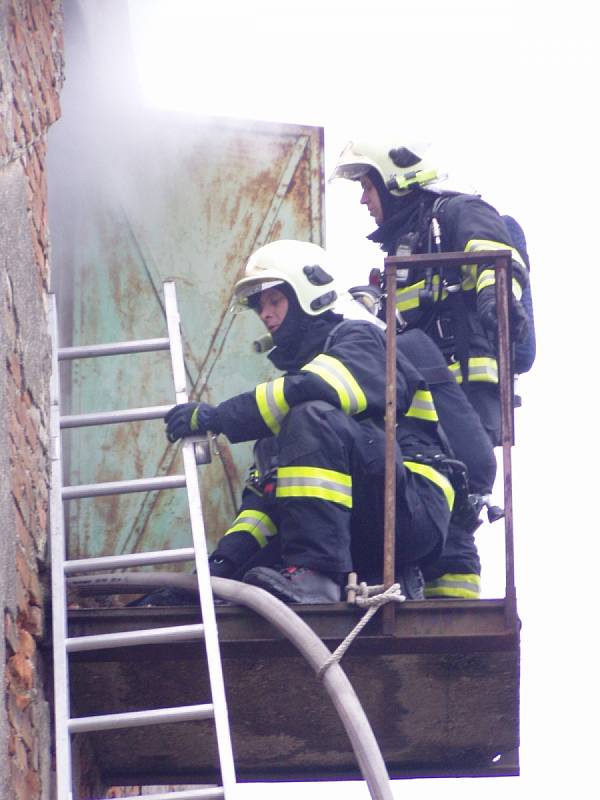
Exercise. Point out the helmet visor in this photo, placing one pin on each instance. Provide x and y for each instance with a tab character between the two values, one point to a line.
351	164
246	294
351	172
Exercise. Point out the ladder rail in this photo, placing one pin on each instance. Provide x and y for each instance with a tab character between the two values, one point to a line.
211	636
59	598
192	452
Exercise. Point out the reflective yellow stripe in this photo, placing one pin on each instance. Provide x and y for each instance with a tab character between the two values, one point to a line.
487	244
422	406
487	277
482	369
323	484
408	297
435	477
259	525
468	277
272	404
466	586
338	376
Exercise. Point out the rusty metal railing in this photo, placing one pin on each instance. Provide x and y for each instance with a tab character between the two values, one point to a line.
501	259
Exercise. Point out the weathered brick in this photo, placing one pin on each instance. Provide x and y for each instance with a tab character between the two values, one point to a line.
24	536
22	669
14	366
17	781
22	700
11	634
33	621
32	781
26	644
20	754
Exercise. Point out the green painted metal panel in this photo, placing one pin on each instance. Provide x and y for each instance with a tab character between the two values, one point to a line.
187	200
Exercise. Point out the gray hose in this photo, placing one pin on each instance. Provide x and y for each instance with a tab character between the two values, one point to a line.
339	688
290	625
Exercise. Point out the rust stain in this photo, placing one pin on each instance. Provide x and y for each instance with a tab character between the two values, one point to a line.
239	178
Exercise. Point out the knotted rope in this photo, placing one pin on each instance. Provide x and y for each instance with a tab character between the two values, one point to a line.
372	598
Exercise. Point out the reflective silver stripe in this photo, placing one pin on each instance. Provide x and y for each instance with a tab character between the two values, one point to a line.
422	406
259	525
482	369
323	484
271	402
338	376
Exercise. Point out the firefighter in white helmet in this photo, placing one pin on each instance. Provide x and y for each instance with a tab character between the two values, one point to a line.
313	509
415	212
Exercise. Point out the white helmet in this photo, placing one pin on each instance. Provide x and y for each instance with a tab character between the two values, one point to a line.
401	168
302	265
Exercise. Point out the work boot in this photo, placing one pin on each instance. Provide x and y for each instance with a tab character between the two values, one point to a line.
452	586
166	596
411	581
295	584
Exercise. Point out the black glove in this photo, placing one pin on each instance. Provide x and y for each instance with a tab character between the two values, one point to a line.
486	308
519	321
221	567
189	419
488	315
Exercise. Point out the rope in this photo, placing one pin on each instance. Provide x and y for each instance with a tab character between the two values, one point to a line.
372	598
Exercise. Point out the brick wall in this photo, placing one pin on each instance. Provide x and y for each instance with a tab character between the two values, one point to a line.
31	69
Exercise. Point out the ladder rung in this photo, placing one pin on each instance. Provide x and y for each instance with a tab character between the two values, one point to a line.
205	793
106	641
111	417
123	487
129	560
113	349
136	719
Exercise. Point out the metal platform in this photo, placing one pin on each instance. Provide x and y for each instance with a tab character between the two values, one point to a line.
442	694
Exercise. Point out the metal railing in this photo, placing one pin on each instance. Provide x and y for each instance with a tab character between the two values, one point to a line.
502	264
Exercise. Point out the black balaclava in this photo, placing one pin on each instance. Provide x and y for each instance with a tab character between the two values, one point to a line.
300	336
401	214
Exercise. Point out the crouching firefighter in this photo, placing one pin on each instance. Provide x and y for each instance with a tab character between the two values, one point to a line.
314	509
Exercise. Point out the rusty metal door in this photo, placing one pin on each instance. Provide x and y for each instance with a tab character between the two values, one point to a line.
183	199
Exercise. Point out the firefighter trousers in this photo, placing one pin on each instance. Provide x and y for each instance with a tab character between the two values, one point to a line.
325	508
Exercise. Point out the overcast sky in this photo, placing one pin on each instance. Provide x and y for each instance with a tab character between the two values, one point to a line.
507	92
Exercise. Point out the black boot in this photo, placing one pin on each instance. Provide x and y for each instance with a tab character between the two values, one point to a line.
295	584
166	596
411	581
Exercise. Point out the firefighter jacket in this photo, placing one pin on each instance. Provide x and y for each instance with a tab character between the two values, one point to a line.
466	437
347	370
340	366
466	223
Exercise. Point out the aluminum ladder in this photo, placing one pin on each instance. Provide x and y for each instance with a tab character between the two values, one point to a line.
62	568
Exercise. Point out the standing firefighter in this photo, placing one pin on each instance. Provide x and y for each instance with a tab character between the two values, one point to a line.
314	508
456	307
